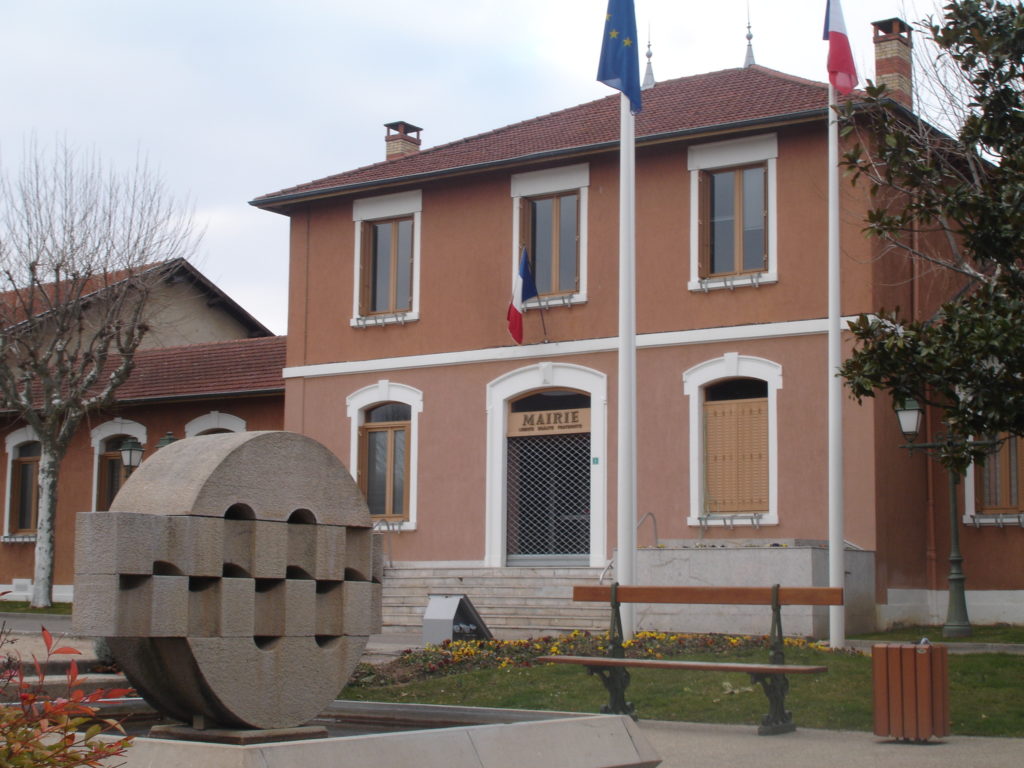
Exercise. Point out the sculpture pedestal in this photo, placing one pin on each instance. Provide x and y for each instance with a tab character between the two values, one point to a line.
238	738
512	739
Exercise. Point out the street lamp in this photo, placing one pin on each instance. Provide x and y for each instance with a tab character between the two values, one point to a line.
166	440
910	414
131	454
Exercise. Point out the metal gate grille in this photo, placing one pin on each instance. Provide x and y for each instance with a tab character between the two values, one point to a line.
548	495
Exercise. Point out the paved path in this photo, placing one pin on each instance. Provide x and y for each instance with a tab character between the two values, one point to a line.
693	745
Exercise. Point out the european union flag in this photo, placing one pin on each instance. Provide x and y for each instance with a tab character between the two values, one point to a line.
620	56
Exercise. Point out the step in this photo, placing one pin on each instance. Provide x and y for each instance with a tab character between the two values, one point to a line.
524	601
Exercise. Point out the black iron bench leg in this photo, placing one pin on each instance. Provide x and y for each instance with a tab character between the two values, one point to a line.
615	681
779	719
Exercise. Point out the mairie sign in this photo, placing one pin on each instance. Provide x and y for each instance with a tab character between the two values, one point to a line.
539	423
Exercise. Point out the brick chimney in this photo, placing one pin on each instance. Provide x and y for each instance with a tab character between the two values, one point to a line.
893	61
402	139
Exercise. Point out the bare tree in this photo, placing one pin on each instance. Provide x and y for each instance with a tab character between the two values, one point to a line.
81	248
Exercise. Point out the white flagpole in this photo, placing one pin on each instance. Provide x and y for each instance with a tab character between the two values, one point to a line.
836	554
625	570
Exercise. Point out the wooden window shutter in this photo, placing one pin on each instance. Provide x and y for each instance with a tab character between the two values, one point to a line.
704	222
752	454
525	227
766	224
736	456
365	267
998	479
719	457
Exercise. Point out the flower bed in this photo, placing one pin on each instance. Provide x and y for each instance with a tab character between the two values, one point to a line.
467	655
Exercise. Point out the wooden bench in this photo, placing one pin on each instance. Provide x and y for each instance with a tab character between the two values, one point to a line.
612	669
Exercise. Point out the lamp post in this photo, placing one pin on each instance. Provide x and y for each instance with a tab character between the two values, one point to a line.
910	414
131	454
166	440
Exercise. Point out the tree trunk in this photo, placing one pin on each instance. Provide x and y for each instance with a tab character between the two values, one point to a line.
42	583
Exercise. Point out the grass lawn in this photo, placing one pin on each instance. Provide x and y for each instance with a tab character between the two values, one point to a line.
22	606
998	633
985	689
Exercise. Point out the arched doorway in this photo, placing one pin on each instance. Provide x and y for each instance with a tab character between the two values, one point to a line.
513	388
547	488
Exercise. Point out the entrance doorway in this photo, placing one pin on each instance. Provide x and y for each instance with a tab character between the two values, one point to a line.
548	479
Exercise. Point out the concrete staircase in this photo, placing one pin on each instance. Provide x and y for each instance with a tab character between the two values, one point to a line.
513	602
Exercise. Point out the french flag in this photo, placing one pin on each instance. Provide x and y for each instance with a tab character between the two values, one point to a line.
841	71
523	289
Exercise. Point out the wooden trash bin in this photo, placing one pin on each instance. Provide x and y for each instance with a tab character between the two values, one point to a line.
911	690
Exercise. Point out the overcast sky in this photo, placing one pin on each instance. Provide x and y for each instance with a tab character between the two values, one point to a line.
231	99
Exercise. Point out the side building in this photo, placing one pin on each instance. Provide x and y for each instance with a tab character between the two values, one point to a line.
207	366
491	466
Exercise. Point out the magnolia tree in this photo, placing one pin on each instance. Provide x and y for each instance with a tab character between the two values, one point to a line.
953	200
81	248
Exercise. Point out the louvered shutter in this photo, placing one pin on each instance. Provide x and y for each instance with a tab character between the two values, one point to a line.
736	456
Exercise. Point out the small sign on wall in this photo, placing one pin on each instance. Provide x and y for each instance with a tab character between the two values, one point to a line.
538	423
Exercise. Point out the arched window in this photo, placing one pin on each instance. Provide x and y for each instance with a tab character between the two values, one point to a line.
214	422
736	446
108	469
383	407
24	501
384	459
111	472
733	440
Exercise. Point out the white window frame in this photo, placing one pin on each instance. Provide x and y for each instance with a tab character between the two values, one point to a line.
375	209
971	515
385	391
721	155
508	387
11	443
730	366
100	434
569	178
970	490
214	420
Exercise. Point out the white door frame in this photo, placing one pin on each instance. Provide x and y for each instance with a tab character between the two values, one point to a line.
507	387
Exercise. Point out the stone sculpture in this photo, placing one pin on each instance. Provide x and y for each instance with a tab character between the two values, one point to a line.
235	579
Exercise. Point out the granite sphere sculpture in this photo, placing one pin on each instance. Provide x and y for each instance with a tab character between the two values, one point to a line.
234	578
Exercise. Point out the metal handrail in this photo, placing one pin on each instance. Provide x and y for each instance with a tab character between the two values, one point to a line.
1000	519
387	525
611	563
654	522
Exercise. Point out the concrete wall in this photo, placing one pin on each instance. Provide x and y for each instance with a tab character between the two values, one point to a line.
179	313
753	563
924	606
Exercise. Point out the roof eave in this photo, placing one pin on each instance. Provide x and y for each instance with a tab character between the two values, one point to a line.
280	203
181	265
255	328
167	398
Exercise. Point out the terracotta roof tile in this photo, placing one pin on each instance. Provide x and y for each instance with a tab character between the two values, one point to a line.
712	100
36	299
224	367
